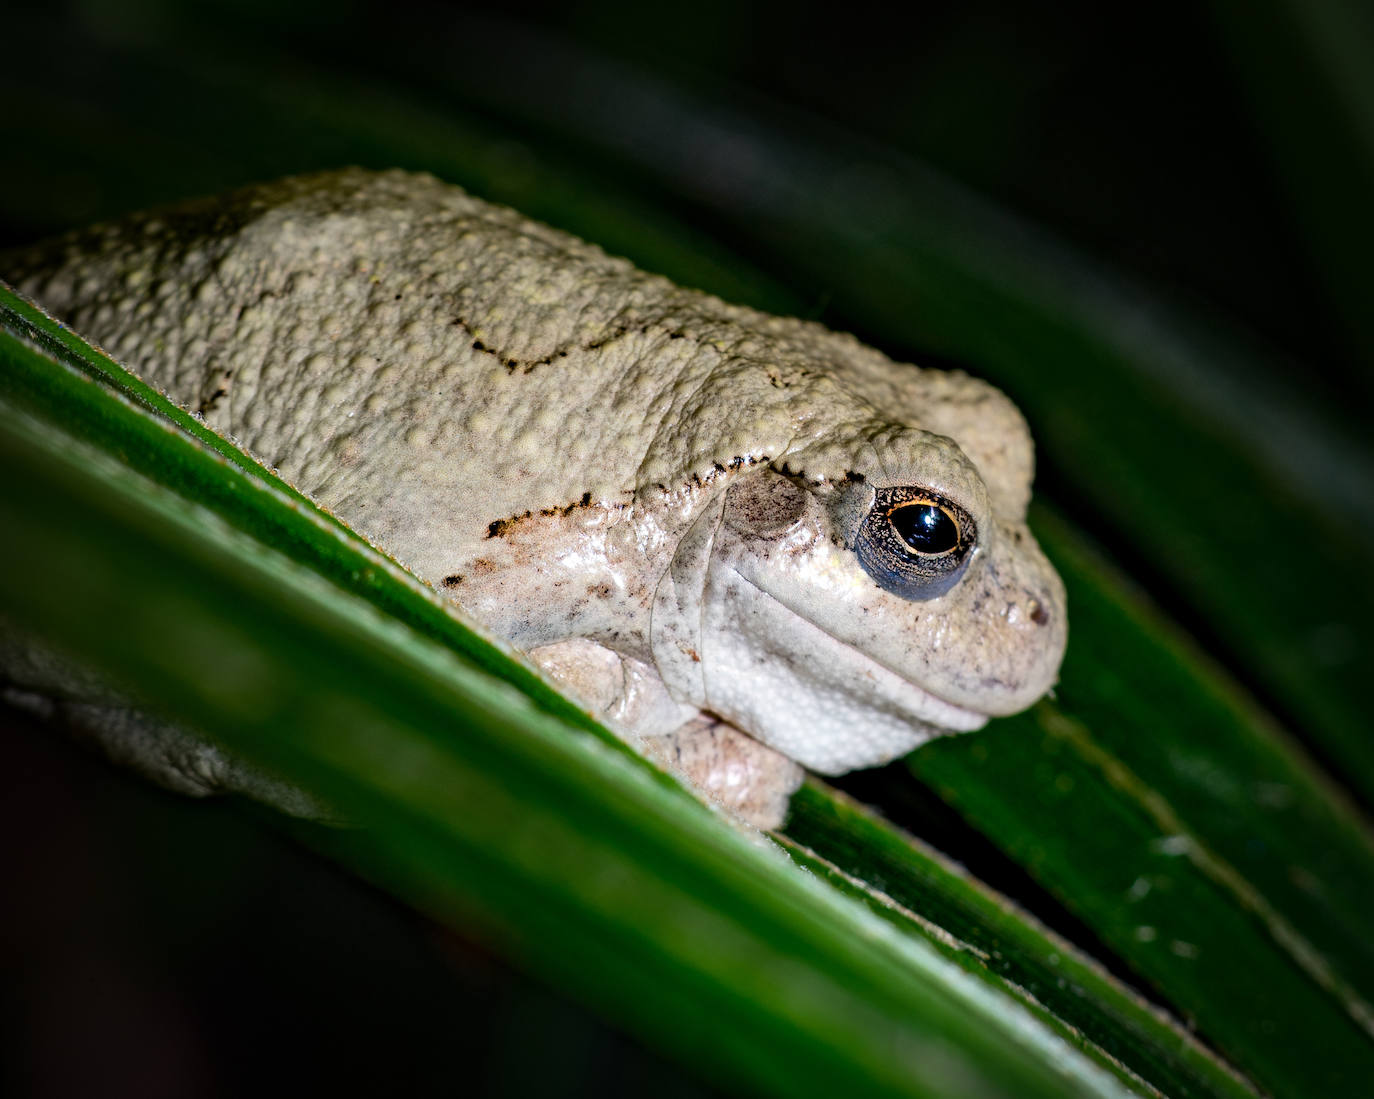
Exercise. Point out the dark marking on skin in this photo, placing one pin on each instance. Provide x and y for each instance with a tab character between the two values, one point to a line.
499	527
525	366
566	509
209	403
734	465
452	581
718	467
619	331
854	477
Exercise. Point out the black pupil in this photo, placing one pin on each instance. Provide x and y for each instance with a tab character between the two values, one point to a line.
925	528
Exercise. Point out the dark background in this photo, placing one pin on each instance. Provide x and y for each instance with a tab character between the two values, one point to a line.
1129	130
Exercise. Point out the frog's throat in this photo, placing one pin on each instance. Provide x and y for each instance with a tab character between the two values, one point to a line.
805	693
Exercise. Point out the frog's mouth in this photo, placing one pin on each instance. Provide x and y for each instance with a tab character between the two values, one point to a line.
800	690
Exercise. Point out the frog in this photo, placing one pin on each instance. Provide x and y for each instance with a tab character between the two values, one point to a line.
753	546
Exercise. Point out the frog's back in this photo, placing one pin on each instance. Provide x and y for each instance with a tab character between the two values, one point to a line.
376	334
390	344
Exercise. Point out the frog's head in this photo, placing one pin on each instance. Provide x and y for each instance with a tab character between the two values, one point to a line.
870	591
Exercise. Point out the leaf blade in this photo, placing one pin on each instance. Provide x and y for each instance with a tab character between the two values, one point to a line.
904	880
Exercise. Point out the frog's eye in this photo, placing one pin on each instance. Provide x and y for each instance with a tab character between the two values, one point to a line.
925	527
915	543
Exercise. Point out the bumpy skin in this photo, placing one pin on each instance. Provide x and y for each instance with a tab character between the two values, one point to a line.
654	492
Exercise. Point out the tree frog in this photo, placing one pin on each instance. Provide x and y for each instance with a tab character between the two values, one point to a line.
751	544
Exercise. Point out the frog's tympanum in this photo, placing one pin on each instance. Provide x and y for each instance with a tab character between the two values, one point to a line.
701	520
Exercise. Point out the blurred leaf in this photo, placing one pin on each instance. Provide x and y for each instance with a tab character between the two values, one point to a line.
1307	67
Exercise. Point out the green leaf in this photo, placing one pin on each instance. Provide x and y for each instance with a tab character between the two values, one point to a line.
913	886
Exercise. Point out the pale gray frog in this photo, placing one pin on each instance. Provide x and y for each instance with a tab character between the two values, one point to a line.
701	520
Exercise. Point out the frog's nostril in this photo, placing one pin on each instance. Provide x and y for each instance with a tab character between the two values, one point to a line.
1038	614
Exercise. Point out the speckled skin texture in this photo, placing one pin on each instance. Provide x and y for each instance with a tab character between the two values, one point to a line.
652	491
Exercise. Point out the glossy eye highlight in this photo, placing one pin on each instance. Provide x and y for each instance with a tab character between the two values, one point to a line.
925	527
914	542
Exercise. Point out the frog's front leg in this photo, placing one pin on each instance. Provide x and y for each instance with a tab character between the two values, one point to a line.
168	754
729	768
726	767
63	693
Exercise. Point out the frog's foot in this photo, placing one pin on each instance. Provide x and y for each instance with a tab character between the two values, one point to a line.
748	780
167	754
745	777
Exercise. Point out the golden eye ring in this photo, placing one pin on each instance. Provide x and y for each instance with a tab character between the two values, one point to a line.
926	527
914	542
